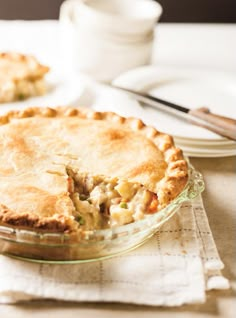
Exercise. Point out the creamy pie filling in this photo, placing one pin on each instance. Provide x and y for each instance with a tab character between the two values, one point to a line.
102	202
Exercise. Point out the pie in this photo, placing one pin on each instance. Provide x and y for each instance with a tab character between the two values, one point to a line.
72	169
21	76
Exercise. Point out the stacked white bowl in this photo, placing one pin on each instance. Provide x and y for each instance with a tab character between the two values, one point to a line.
108	37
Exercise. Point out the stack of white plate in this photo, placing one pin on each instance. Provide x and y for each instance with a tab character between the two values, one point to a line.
206	148
189	88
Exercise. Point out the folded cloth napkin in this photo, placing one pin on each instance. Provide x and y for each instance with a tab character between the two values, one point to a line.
175	267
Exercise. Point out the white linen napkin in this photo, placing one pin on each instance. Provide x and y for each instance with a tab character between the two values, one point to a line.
175	267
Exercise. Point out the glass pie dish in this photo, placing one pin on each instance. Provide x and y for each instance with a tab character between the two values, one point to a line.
89	246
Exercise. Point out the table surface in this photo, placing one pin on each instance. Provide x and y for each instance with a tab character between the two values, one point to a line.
187	42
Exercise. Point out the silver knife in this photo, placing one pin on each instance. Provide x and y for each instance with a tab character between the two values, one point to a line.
203	117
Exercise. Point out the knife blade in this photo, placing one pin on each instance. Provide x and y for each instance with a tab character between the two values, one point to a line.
202	116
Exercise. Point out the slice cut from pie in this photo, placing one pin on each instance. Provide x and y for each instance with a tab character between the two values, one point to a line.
67	169
21	76
101	201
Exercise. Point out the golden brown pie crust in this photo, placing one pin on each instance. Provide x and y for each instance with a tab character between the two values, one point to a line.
37	144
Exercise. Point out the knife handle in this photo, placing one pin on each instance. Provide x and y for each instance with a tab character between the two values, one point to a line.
219	124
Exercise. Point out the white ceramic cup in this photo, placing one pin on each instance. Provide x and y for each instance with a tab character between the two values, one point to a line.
108	37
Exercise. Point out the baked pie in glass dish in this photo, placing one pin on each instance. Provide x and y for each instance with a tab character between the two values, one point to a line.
78	185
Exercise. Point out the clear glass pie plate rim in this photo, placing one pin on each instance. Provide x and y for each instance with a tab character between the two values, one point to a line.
145	228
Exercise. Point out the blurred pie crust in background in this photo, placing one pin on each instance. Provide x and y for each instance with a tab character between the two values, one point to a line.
21	76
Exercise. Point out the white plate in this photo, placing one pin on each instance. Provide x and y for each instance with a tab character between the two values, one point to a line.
208	148
188	87
208	155
64	90
109	99
206	143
